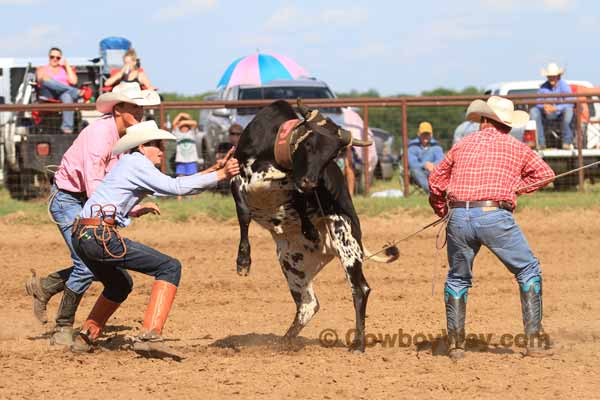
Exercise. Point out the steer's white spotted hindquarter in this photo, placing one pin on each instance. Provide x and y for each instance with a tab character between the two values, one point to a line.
269	196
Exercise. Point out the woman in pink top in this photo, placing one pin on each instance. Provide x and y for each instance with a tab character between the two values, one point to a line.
57	82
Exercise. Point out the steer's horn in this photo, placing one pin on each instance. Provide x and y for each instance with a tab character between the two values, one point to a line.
303	110
361	143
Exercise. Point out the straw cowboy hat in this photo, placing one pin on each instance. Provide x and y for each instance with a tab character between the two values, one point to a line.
126	92
552	69
425	127
141	133
499	109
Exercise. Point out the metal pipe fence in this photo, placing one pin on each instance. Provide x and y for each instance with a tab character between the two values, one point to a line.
22	125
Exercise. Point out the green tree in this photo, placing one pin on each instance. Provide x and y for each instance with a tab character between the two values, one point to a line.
171	96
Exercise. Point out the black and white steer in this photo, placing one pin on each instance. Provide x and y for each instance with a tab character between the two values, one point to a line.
287	168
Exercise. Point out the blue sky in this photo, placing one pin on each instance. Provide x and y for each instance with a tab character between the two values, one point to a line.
391	46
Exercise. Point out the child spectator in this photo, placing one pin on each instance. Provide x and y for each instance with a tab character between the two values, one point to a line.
186	156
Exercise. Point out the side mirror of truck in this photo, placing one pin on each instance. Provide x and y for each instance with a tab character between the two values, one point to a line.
222	112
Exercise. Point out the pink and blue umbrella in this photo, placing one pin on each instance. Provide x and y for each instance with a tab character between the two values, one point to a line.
260	68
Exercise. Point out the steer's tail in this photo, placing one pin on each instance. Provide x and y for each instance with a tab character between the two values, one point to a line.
386	255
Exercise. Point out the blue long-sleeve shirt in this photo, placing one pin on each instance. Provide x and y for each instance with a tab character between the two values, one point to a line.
561	87
133	178
419	155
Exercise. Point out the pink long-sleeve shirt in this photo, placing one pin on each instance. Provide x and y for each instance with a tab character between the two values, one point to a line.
89	158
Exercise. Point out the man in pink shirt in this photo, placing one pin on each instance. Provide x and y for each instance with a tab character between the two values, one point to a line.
81	170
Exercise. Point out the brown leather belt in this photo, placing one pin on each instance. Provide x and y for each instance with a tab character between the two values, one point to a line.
82	196
81	222
505	205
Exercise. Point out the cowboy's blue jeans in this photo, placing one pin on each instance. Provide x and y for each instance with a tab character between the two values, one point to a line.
64	208
565	116
469	229
421	176
65	93
112	270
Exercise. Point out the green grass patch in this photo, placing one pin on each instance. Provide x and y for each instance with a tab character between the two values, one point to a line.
222	207
15	211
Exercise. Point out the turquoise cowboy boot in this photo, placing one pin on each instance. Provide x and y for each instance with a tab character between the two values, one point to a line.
456	309
531	307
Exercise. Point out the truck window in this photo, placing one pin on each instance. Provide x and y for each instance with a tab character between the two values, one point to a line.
291	92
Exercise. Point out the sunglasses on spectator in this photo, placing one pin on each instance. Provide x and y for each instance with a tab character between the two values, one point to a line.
55	57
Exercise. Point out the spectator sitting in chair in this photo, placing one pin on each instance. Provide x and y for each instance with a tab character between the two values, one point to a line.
130	72
424	153
544	112
57	80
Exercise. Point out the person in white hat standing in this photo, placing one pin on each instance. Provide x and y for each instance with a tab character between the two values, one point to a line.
478	181
98	243
541	113
81	170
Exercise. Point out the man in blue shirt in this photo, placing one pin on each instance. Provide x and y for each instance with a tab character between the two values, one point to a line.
424	153
545	112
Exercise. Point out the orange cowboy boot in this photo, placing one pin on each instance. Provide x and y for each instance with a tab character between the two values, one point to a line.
92	327
161	300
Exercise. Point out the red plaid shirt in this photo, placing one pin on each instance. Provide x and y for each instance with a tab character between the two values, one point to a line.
486	165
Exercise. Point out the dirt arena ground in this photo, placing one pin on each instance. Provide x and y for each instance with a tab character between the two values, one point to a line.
227	328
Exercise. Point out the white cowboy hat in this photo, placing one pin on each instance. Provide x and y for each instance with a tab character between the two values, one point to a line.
552	69
141	133
126	92
499	109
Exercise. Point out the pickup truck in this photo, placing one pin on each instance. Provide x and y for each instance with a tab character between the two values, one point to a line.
32	142
217	122
560	160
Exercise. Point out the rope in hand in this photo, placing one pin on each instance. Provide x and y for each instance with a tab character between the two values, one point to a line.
444	219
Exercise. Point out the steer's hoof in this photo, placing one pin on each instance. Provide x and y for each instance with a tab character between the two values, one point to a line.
357	347
243	270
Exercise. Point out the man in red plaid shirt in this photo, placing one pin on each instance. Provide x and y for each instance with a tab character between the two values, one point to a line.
479	180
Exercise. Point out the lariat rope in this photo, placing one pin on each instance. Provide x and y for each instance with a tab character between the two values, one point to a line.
106	213
445	219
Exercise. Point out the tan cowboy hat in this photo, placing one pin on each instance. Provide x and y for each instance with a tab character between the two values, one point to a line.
141	133
126	92
552	69
499	109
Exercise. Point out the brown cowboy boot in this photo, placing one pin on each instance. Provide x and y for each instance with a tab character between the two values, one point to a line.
65	317
42	289
161	300
92	327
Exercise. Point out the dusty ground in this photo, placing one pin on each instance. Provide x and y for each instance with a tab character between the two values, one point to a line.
227	328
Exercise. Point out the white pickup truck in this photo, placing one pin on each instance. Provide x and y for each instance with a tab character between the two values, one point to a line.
30	142
560	160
